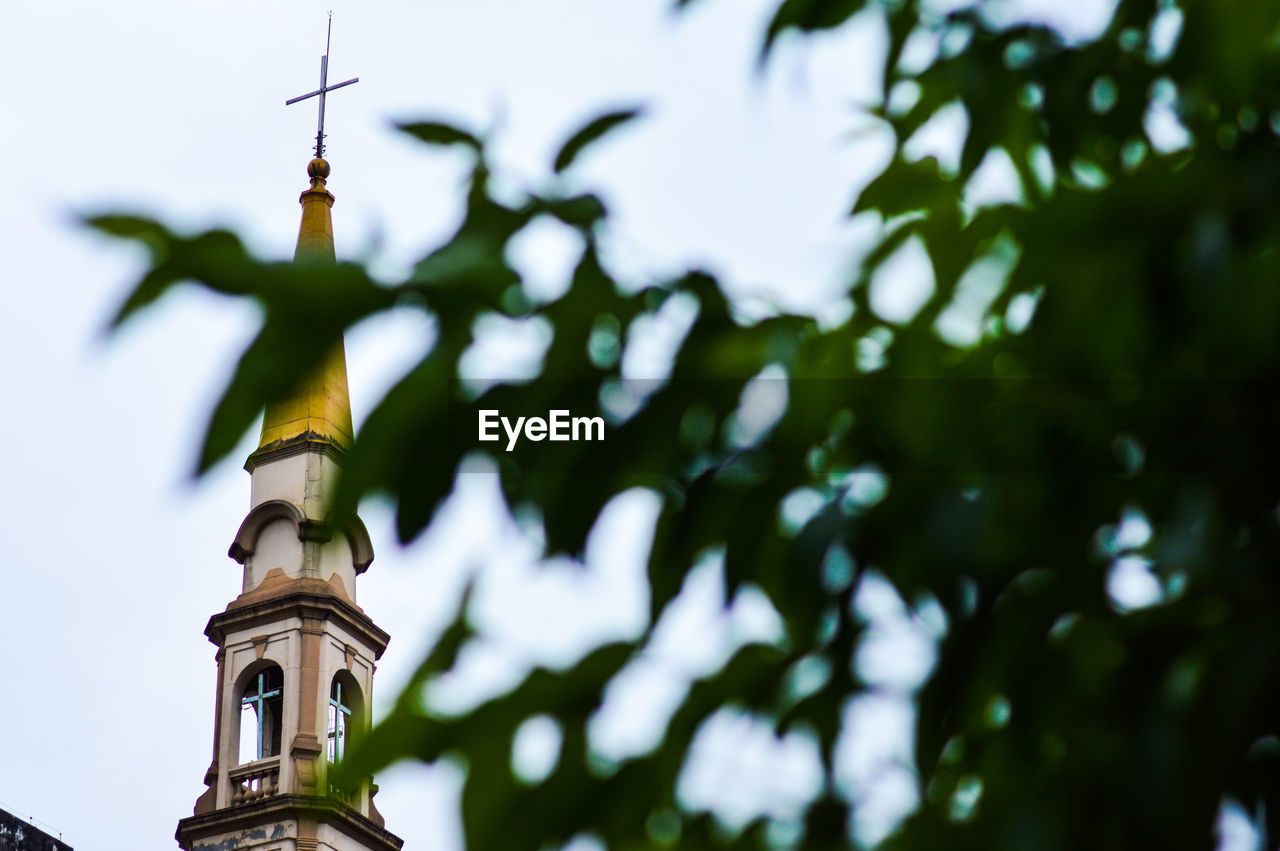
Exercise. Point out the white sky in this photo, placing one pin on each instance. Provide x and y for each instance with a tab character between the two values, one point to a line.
114	561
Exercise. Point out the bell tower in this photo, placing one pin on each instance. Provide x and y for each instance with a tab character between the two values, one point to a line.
295	653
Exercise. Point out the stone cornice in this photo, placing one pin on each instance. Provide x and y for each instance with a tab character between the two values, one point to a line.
280	807
309	442
303	604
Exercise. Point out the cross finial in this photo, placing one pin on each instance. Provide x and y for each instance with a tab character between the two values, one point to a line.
324	89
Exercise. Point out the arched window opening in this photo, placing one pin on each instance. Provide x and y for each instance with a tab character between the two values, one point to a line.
260	715
341	718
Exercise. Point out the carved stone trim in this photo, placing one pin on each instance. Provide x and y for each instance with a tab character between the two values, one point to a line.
361	544
307	606
320	531
208	800
305	745
322	810
296	446
247	535
315	530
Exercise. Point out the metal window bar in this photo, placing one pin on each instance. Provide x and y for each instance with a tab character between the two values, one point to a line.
339	719
258	701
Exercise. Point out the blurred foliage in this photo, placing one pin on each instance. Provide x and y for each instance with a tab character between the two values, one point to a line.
1142	245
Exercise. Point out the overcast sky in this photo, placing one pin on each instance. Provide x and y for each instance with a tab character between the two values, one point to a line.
114	559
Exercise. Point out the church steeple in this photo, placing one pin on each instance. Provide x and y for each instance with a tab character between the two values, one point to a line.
319	410
295	653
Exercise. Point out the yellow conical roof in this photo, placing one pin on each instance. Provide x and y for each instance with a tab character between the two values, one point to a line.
320	409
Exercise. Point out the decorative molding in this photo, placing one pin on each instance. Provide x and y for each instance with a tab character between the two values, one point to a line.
315	530
305	751
361	544
308	530
208	800
247	535
280	808
305	744
305	605
304	771
303	443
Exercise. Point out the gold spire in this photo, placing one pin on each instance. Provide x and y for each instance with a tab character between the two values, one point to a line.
320	409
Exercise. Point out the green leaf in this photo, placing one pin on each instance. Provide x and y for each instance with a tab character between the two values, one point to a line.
216	258
580	211
997	516
808	16
440	133
122	225
905	187
590	133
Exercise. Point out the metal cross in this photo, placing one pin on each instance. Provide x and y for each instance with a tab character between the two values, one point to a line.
324	89
258	702
340	714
